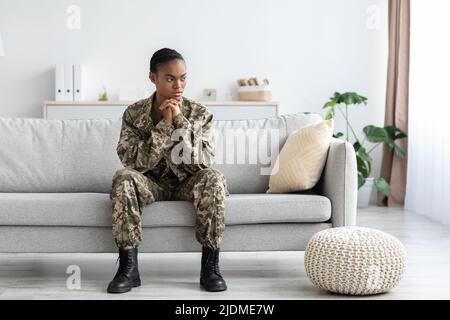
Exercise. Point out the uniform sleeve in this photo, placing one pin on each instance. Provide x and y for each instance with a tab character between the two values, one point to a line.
137	150
196	147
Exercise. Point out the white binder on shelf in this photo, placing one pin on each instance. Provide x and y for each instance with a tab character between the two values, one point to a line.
59	82
68	82
78	82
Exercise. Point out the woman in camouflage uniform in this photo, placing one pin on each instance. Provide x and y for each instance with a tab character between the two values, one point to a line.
166	148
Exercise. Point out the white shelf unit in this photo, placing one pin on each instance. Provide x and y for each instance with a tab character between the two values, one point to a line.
222	110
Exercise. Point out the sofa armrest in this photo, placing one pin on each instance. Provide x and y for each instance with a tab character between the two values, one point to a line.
339	183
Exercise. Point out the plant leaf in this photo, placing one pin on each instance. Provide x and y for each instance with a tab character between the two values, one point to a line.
362	152
348	98
330	114
361	180
363	168
336	96
376	134
391	145
329	104
382	186
391	130
401	135
399	152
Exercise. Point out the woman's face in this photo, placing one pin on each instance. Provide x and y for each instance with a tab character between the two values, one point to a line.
170	79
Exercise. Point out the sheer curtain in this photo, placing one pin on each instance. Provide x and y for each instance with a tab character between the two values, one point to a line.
428	183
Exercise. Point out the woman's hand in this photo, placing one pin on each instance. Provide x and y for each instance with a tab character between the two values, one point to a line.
175	105
165	111
167	114
169	109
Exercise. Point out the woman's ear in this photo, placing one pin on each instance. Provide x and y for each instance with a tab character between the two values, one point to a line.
152	77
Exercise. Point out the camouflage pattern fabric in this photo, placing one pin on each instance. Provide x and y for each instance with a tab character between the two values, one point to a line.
167	162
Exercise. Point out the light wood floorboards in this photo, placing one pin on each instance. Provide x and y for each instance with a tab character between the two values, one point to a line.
255	275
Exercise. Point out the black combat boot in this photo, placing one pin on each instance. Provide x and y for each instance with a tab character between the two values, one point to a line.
210	277
127	275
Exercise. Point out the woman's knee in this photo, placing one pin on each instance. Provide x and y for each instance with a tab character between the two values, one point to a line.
211	174
124	173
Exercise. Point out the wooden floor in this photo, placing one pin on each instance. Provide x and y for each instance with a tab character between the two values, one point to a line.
258	275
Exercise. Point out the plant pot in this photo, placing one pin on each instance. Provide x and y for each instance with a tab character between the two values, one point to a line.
365	193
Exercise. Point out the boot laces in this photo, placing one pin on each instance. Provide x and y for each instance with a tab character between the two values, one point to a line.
129	265
213	262
125	264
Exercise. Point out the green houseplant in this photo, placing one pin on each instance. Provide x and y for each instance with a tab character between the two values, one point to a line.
372	134
103	96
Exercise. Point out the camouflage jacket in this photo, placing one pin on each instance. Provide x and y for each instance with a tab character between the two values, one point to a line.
149	148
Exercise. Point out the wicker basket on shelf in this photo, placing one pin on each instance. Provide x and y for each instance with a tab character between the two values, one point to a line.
255	93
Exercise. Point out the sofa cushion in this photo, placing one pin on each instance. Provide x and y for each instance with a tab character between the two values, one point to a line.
301	161
94	209
246	150
38	155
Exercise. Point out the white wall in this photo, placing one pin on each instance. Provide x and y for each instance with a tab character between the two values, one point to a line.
307	49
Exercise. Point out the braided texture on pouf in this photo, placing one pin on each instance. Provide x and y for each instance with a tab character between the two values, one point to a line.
355	260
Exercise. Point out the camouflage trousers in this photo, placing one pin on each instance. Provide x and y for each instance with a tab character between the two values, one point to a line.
132	191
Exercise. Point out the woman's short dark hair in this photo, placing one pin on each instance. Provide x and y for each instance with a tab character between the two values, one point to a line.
162	56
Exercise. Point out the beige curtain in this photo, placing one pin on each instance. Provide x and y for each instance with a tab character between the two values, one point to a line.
393	169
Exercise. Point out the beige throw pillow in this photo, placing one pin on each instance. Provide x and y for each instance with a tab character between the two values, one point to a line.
302	159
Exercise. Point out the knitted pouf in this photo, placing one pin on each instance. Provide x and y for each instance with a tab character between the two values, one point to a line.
355	260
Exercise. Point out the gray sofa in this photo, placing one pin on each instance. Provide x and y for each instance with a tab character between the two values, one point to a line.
55	179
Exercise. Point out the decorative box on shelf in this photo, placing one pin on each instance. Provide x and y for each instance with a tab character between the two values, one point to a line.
222	110
254	93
